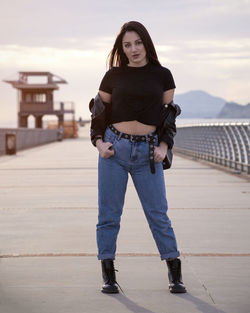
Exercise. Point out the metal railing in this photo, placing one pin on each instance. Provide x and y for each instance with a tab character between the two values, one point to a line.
64	106
226	144
26	138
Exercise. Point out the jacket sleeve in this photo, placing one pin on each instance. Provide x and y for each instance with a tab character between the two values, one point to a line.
167	136
100	116
167	129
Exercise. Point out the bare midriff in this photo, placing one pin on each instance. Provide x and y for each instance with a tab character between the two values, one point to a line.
134	128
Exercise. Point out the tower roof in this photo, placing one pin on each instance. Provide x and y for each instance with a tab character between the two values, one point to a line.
23	83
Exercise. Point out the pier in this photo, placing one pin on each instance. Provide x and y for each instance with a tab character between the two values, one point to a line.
48	213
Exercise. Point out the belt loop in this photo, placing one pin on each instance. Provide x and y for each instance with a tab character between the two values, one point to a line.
119	136
131	138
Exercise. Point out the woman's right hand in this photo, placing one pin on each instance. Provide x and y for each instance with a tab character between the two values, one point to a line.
105	148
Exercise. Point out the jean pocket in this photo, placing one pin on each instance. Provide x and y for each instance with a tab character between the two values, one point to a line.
111	139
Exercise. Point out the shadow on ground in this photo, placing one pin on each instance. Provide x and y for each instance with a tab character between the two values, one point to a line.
202	306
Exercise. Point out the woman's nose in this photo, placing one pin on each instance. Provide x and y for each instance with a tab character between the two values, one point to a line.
133	47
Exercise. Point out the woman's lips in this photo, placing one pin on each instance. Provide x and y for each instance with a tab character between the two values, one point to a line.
135	56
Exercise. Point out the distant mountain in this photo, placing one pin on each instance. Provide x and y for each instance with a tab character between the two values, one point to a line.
234	110
199	104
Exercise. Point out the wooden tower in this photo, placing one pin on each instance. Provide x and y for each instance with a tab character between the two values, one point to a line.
37	98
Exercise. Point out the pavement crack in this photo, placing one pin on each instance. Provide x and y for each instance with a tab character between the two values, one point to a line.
208	293
121	254
199	280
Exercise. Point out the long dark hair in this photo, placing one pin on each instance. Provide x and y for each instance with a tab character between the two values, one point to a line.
118	58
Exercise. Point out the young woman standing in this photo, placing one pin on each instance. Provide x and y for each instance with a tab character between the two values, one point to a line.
130	101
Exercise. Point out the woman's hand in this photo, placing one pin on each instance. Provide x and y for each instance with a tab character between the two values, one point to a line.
160	152
104	148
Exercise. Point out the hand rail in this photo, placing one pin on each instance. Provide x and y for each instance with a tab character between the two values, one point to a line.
227	144
27	137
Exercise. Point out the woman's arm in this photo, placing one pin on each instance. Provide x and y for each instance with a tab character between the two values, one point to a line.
106	97
168	96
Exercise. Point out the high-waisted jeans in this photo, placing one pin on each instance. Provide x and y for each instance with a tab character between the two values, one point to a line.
131	157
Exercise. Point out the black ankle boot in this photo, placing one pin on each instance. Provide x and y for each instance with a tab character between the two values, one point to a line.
108	274
174	274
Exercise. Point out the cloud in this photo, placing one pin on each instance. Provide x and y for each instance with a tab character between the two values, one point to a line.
206	44
23	22
220	67
37	57
233	51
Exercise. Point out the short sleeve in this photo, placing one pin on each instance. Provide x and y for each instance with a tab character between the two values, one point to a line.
168	80
106	83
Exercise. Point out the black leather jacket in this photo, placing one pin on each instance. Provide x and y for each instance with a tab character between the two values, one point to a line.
100	115
100	119
167	130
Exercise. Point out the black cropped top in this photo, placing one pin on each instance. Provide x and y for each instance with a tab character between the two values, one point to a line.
137	92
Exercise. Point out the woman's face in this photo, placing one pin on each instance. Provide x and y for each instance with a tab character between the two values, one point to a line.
134	49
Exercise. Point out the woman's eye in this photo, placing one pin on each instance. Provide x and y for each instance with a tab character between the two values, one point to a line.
126	45
139	42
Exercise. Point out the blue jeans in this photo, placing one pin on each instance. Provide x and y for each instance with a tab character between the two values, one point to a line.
131	157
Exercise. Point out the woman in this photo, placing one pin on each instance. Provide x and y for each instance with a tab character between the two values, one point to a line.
127	115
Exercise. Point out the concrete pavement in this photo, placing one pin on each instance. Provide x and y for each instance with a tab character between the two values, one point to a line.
48	211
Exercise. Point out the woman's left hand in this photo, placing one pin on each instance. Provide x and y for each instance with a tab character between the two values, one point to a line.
160	152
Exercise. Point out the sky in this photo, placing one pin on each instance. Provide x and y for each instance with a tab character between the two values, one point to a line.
205	44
